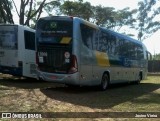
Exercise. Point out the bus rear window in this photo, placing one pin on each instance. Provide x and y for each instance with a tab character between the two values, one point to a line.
53	31
8	39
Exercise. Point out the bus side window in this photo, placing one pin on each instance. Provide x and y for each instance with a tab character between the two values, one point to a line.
132	54
116	52
87	35
96	41
104	39
140	52
29	38
113	44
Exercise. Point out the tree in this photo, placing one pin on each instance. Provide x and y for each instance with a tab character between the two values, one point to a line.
5	12
103	16
146	19
124	17
108	17
156	57
77	8
30	10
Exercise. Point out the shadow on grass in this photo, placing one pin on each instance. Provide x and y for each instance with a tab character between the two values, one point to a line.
83	96
91	97
25	83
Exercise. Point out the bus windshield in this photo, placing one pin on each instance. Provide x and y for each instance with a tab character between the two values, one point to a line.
8	39
55	32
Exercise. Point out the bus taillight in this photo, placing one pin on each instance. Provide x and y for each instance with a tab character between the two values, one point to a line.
74	65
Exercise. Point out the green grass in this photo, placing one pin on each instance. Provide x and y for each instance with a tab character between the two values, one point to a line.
28	95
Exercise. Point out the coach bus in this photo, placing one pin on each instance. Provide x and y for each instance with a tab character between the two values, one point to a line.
73	51
17	50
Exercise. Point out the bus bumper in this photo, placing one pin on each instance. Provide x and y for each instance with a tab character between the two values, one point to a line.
59	78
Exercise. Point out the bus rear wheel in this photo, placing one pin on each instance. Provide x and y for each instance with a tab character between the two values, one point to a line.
104	82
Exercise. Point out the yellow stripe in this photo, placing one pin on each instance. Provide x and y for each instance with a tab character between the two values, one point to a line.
102	58
65	40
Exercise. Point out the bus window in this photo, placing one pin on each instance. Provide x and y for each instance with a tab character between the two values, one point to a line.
104	39
112	44
55	32
8	39
132	51
87	35
116	52
140	54
29	40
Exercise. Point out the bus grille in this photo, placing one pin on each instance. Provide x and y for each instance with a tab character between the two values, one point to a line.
54	61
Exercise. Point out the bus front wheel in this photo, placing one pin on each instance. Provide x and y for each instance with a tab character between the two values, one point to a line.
104	82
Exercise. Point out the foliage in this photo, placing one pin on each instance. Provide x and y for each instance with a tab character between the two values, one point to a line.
141	19
103	16
125	17
5	12
146	14
31	10
79	9
156	57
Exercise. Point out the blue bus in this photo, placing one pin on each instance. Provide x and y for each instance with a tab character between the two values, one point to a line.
73	51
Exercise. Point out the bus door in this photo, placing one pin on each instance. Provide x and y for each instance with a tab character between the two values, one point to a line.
29	67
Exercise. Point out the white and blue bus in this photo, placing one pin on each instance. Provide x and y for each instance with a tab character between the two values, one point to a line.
73	51
17	50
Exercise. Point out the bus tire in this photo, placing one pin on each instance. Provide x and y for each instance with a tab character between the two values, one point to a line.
104	82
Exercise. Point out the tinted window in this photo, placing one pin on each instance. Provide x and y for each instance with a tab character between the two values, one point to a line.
55	31
8	37
29	40
108	43
87	35
132	50
139	51
104	39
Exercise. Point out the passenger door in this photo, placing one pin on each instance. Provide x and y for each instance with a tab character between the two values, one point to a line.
29	64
